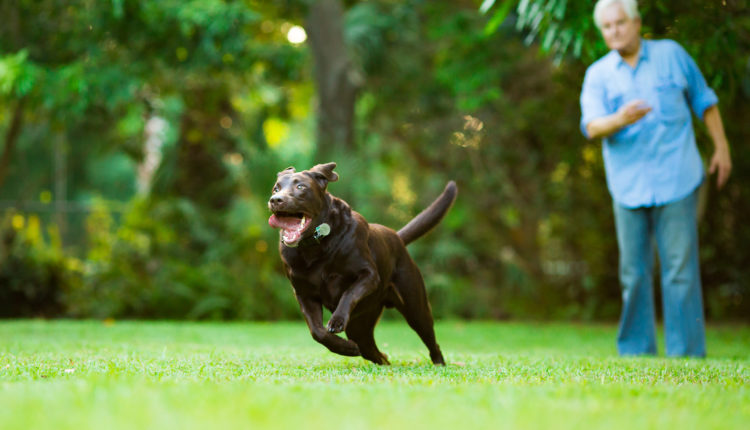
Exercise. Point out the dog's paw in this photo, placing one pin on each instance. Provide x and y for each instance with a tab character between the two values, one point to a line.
337	323
351	349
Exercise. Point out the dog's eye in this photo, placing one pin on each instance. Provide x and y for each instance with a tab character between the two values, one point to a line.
276	189
300	186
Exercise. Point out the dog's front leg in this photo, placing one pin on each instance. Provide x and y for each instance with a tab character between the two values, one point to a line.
366	283
313	313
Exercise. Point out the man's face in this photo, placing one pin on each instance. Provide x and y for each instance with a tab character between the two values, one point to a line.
619	31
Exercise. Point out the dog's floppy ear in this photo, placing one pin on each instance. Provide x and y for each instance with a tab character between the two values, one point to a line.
324	173
288	171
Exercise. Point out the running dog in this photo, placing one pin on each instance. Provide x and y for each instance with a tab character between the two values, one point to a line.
335	258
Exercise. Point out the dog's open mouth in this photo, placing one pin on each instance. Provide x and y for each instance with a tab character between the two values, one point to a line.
292	226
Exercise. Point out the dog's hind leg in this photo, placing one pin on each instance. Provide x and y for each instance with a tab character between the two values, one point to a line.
362	332
422	323
416	309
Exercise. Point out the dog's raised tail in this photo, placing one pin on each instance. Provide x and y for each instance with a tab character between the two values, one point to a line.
430	217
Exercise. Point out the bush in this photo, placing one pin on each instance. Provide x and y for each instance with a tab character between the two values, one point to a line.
35	274
170	259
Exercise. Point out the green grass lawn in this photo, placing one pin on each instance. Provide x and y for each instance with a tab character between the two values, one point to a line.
164	375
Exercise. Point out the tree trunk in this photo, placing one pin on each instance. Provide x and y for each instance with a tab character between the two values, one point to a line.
61	182
11	137
336	78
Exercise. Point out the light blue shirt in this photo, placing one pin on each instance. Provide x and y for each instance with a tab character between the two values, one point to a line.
655	160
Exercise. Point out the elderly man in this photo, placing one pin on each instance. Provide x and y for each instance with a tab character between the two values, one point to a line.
638	98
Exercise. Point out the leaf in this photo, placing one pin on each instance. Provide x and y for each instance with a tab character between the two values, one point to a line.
486	5
12	71
499	17
549	37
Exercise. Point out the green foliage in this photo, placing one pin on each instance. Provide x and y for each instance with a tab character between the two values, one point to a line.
711	31
563	27
170	259
35	274
16	74
481	109
447	94
194	247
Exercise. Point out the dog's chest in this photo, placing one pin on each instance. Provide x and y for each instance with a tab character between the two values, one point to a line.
324	283
331	289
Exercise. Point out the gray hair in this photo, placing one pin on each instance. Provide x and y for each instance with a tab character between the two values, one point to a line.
629	6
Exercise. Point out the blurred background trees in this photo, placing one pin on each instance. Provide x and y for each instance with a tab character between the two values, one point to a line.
141	138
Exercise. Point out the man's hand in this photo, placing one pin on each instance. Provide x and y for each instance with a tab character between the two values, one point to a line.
628	113
721	163
632	111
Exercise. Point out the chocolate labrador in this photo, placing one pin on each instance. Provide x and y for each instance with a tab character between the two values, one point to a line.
335	258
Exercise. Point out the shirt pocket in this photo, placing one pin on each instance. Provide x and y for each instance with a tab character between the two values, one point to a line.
672	102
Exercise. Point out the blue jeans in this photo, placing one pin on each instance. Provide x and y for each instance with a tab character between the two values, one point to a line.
674	229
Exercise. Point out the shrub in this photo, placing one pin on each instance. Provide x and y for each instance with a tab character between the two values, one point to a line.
34	272
170	259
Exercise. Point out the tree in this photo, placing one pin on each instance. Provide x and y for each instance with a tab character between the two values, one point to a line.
337	79
90	75
411	94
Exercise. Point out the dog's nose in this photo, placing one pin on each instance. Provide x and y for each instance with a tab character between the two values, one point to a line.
275	199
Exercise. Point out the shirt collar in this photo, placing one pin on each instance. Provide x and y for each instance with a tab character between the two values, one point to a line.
642	55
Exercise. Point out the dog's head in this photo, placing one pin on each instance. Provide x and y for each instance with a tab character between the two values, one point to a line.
298	199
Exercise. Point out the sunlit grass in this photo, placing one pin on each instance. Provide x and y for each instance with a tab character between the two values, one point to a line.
65	375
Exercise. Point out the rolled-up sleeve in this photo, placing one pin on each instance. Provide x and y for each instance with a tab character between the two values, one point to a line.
593	99
700	95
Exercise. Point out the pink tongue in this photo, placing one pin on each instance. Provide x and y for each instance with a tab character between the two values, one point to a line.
292	229
288	222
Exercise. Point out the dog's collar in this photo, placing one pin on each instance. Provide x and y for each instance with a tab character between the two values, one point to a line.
321	231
